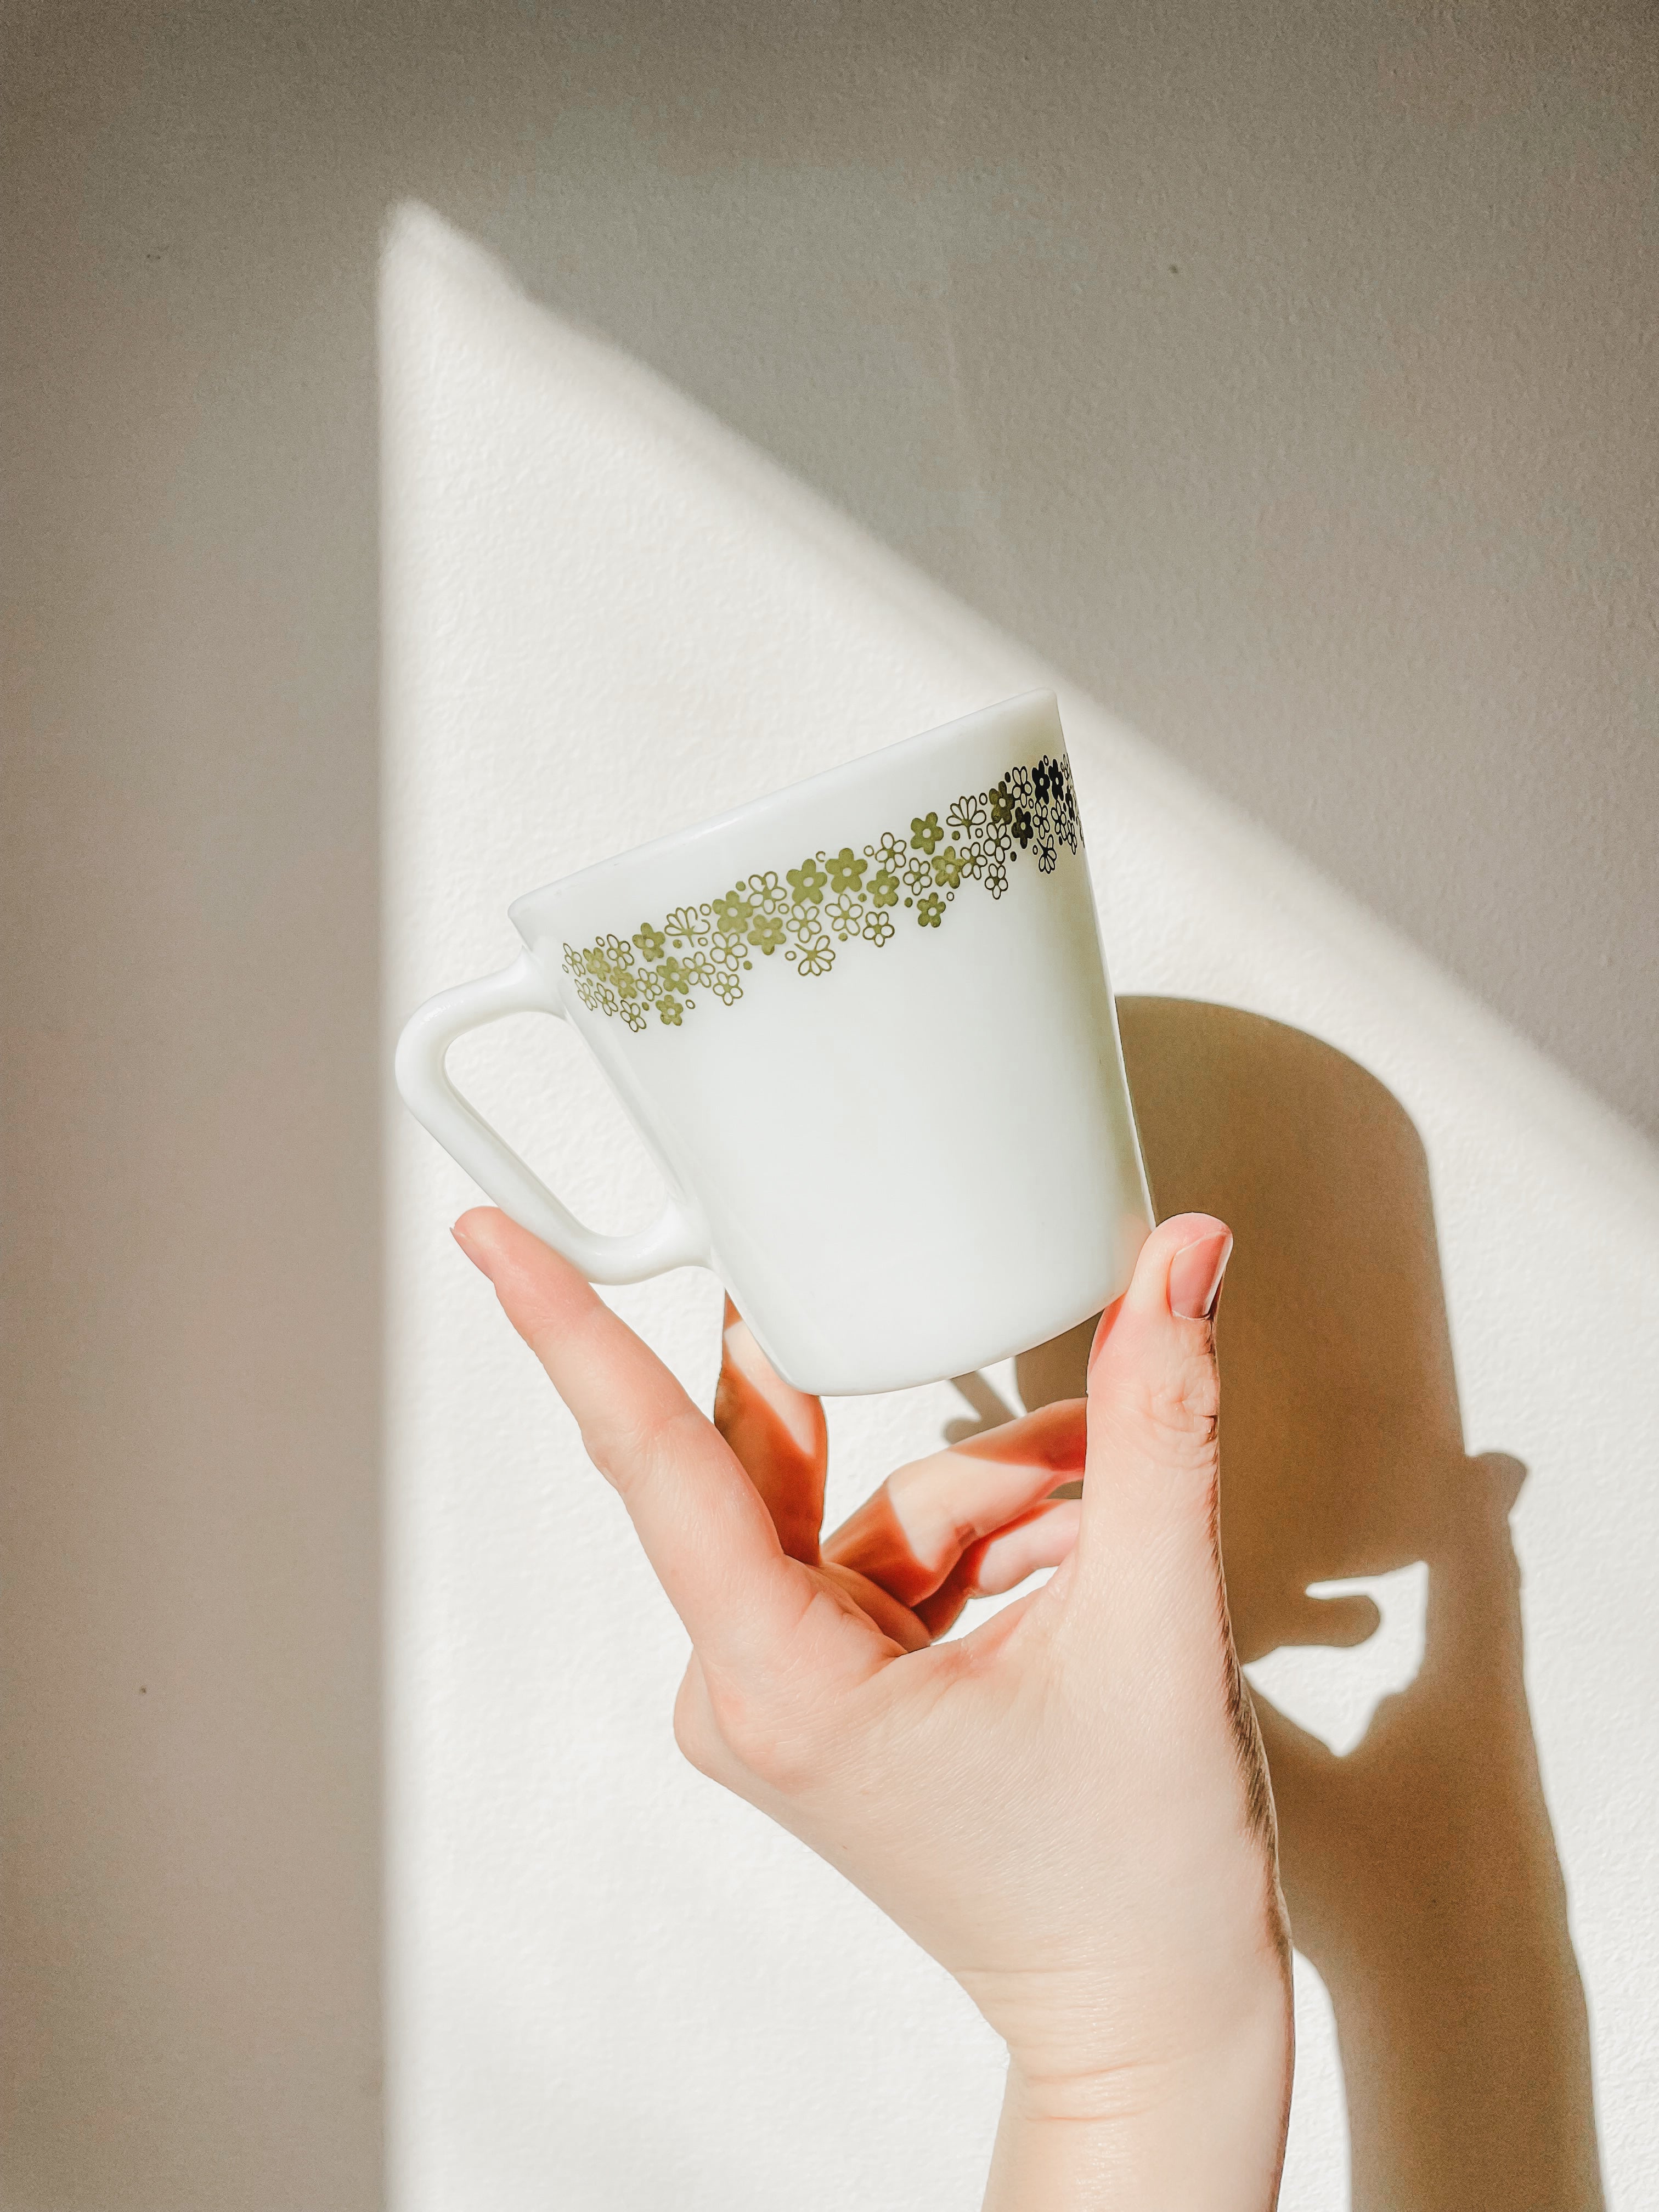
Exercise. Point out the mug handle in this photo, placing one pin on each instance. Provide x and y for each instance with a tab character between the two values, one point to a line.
674	1239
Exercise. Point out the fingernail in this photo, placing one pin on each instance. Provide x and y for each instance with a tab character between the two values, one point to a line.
1195	1275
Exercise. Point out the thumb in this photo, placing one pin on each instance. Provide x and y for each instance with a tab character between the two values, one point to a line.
1154	1394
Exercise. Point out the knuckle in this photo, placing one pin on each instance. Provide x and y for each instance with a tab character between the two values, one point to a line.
630	1451
738	1737
775	1742
768	1746
1180	1408
694	1731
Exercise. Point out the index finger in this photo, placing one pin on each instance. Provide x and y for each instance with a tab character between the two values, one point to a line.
704	1525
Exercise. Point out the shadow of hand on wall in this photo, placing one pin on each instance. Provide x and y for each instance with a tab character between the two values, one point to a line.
1420	1869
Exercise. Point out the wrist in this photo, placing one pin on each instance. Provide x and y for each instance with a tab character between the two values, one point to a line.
1201	2128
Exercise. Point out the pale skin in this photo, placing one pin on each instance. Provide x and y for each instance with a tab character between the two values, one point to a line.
1067	1807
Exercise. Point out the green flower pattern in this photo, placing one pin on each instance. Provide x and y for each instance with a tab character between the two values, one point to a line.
829	900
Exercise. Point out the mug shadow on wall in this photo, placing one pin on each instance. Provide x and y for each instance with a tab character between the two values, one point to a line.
1420	1869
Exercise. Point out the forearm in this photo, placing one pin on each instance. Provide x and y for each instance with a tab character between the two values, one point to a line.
1206	2136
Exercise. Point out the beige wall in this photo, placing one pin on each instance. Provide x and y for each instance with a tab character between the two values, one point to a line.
190	1734
1283	376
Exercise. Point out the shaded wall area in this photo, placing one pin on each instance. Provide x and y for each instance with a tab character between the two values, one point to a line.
189	1873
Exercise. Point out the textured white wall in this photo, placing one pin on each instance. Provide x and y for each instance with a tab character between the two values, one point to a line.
1351	511
606	617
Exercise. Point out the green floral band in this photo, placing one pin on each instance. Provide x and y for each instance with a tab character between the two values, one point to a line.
830	899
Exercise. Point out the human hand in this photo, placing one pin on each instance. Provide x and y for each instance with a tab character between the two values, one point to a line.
1067	1807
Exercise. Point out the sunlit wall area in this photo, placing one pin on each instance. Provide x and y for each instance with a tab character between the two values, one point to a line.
1283	375
604	616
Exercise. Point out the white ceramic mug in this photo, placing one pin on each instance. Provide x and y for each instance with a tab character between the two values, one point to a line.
865	1029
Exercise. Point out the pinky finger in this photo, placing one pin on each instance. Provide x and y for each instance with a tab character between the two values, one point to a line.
1043	1537
998	1562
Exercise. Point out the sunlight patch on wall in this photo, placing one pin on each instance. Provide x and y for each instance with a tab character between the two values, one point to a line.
1332	1693
605	617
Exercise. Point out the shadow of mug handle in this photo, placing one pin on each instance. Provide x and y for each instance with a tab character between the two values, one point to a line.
674	1239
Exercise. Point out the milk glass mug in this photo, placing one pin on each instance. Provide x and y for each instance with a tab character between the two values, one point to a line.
864	1027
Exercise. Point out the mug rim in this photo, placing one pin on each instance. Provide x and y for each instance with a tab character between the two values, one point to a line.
735	817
